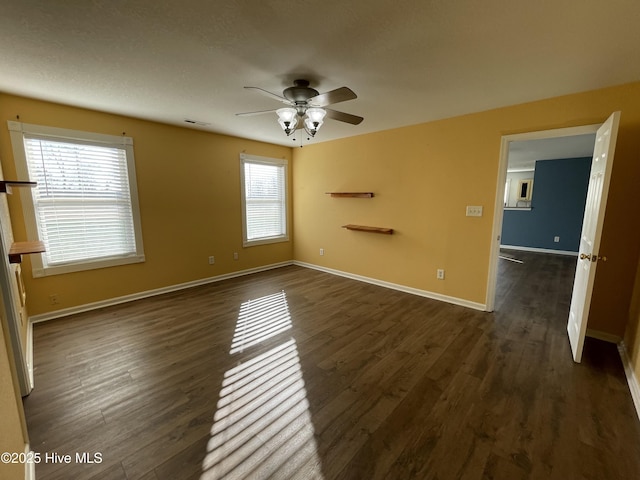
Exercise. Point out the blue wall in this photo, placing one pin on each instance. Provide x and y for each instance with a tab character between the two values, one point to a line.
557	207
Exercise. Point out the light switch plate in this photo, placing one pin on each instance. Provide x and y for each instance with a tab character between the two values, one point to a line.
474	211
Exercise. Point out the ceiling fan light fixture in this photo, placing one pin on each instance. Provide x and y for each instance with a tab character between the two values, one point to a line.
288	119
312	127
316	115
313	120
305	107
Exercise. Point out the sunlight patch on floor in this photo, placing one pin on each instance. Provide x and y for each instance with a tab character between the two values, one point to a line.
260	319
262	427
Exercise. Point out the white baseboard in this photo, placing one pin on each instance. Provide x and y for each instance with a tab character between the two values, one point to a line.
394	286
29	467
30	354
604	336
43	317
631	378
539	250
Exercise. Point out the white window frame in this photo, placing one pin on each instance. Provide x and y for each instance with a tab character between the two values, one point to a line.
39	269
278	162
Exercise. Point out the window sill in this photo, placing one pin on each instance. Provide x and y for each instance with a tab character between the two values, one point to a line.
39	272
265	241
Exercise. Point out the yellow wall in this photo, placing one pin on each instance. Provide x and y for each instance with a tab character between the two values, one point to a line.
424	176
189	191
11	415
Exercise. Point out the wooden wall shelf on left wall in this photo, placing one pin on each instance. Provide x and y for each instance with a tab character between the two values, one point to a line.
20	248
7	185
24	248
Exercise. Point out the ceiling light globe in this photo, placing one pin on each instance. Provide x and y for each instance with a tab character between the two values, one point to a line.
286	114
316	115
288	119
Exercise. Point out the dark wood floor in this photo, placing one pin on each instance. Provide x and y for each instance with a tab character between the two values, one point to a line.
295	373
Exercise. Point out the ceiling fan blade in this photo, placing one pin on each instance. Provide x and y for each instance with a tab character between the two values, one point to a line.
248	114
338	95
269	94
344	117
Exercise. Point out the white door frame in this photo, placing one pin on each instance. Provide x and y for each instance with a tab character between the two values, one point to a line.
12	324
499	205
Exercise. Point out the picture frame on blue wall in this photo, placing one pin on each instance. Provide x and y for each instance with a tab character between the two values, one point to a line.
525	188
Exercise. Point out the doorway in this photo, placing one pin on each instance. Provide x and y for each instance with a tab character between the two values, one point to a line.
522	149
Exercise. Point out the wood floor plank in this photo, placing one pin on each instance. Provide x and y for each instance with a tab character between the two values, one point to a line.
333	379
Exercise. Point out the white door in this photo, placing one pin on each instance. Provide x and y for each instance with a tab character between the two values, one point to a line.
591	232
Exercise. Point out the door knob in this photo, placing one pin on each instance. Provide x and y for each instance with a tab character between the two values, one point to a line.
585	256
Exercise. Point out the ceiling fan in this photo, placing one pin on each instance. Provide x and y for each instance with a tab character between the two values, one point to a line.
307	105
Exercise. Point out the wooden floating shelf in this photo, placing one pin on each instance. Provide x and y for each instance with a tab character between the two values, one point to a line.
7	185
24	248
362	228
351	194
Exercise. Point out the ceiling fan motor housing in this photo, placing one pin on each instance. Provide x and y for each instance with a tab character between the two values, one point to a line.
300	94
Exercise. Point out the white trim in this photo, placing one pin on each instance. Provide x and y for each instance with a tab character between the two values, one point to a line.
12	313
30	355
539	250
29	467
55	132
496	232
632	380
84	265
394	286
604	336
43	317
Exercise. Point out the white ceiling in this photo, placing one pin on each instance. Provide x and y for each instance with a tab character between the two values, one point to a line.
524	154
409	61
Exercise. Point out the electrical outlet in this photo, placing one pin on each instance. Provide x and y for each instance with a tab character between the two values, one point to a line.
212	260
556	239
440	274
235	255
54	299
321	252
474	210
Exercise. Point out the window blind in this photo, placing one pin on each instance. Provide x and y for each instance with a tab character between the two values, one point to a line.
82	200
265	201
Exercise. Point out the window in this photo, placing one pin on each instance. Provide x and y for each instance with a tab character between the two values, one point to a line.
264	200
85	206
